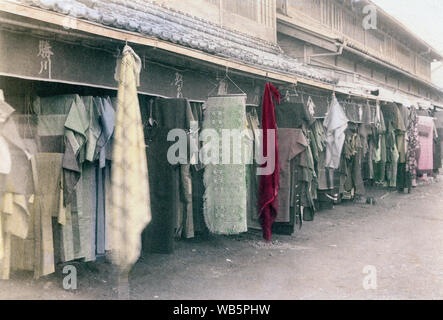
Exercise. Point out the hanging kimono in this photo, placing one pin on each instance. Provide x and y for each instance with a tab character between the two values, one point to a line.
130	206
51	118
335	123
107	121
197	177
16	194
95	120
351	165
159	234
91	189
86	189
380	155
5	111
252	179
291	142
16	221
325	176
5	155
106	116
62	129
177	114
170	184
426	142
94	128
413	147
5	165
293	115
78	234
402	125
437	151
76	128
439	148
23	246
269	184
47	169
305	190
392	156
225	184
368	136
395	144
297	173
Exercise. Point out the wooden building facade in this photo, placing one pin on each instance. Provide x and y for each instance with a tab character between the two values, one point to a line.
332	34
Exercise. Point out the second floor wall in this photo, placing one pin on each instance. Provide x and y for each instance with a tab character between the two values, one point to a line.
437	74
331	19
337	18
256	18
348	67
341	20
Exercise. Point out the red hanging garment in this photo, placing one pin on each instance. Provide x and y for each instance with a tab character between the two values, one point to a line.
269	184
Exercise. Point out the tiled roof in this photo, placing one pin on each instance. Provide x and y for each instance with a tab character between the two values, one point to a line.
163	23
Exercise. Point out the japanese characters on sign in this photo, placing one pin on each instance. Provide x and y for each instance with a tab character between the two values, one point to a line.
45	53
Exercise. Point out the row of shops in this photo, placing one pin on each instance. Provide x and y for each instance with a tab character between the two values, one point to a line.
58	116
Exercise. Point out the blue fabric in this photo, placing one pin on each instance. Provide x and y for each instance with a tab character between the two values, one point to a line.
107	121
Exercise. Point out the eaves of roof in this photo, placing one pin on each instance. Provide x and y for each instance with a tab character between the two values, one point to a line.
353	47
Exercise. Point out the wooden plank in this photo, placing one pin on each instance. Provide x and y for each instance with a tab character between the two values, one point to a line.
97	68
294	32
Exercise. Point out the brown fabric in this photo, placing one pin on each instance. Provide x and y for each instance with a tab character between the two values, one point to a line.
72	173
291	143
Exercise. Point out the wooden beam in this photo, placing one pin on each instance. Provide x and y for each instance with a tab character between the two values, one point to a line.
136	38
294	32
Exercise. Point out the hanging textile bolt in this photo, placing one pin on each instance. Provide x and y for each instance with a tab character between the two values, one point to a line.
129	176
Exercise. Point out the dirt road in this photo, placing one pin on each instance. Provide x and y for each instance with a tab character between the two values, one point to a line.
399	240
